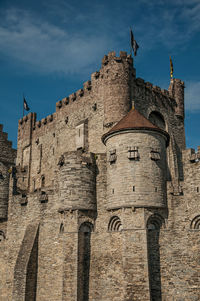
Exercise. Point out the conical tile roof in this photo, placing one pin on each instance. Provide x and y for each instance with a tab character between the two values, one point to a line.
134	120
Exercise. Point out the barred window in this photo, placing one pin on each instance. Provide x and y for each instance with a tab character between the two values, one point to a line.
195	223
115	224
113	156
155	155
133	153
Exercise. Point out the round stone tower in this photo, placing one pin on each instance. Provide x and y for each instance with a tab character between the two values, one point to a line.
117	74
77	178
136	163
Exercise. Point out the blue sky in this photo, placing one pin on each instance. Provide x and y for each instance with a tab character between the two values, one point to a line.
49	48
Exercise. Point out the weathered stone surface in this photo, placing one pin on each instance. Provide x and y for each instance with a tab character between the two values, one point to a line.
88	221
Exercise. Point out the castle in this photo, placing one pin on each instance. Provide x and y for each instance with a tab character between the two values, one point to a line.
103	200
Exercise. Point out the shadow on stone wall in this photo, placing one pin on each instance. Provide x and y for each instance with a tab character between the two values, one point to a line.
84	250
31	274
25	272
153	233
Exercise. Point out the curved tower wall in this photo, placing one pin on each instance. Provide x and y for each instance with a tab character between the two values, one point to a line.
136	181
77	178
117	73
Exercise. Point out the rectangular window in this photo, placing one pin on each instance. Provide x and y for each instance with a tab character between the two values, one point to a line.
81	135
112	156
133	153
155	155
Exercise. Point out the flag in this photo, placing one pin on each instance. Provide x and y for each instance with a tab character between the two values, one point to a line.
26	107
132	38
135	47
134	44
171	68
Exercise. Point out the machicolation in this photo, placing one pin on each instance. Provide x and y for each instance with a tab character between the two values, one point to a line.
101	200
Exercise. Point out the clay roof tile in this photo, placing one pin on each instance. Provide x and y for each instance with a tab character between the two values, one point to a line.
134	120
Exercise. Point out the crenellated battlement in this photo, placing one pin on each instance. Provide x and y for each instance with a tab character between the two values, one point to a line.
7	159
114	84
98	75
31	116
131	203
163	94
112	57
79	94
191	156
44	121
7	153
87	87
4	136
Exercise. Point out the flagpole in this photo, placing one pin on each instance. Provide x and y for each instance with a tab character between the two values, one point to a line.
130	43
171	68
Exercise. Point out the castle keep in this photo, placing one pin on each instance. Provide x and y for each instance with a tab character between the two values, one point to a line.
103	200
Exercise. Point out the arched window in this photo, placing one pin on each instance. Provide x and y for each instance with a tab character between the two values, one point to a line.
84	249
195	223
154	223
115	224
86	227
157	119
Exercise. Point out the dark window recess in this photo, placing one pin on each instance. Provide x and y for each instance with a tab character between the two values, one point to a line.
113	191
155	155
133	153
66	120
197	189
43	181
94	107
133	188
112	156
61	228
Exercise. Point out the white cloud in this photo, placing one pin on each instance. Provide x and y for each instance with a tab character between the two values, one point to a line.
80	38
192	96
172	23
46	47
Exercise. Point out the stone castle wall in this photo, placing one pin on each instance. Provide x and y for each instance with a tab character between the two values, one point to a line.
62	232
100	104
